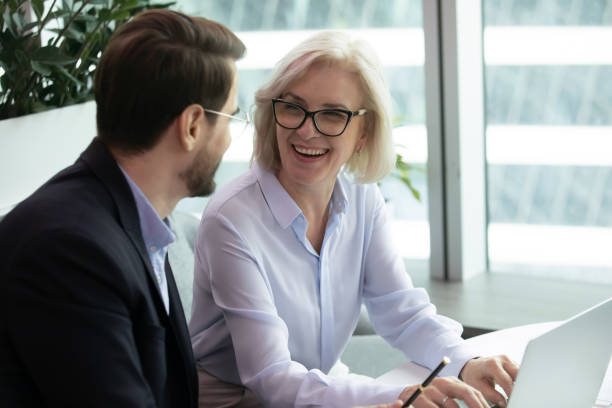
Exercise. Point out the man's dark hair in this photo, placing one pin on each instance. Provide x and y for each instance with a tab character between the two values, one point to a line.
156	65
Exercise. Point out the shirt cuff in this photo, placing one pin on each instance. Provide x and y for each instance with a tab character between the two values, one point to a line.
357	390
459	358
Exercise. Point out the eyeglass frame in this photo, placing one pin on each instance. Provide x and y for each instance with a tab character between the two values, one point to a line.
235	116
312	114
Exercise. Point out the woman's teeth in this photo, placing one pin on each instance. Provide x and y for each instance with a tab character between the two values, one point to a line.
310	152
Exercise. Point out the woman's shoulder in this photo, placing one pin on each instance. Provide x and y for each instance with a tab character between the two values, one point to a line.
231	197
368	194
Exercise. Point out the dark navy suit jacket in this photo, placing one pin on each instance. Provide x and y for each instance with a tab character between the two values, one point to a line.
82	322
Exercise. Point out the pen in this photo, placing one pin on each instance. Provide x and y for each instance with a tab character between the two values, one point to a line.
415	395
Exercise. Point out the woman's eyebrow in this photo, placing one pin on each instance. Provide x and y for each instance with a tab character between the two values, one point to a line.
335	106
300	100
294	97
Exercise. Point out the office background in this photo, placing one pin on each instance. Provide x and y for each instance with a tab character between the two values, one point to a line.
505	109
526	111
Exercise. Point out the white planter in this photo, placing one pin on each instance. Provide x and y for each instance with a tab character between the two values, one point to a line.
35	147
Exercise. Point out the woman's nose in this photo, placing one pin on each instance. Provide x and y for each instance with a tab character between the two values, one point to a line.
308	130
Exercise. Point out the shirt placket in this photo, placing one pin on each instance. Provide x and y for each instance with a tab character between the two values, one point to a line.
327	313
327	331
328	335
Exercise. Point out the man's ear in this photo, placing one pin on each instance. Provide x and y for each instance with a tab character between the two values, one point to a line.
191	125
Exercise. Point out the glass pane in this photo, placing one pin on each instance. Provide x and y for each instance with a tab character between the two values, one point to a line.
549	137
270	28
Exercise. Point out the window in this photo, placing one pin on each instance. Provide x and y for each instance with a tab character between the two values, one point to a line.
270	28
548	71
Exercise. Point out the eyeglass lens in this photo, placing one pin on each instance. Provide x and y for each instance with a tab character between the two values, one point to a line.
329	122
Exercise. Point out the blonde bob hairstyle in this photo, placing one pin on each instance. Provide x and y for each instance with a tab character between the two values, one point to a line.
377	158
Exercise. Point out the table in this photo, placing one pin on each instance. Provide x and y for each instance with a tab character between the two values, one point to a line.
511	342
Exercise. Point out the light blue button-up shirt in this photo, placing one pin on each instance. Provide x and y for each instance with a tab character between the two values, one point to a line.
157	235
271	313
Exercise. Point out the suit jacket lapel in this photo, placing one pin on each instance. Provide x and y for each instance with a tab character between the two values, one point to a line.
178	323
104	166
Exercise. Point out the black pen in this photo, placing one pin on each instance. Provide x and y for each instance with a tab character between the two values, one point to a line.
415	395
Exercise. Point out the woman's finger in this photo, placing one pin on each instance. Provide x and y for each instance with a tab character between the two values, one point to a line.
458	389
490	393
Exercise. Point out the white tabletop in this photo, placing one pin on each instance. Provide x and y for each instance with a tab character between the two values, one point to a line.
511	342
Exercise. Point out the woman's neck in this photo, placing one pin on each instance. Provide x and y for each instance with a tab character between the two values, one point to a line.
313	200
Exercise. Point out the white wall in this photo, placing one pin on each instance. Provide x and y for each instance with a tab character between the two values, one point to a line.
35	147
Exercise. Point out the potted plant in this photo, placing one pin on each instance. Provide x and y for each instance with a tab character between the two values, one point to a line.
48	54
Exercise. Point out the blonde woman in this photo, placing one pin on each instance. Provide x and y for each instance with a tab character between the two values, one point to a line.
288	252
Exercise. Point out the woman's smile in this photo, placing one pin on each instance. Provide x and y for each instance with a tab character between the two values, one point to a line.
309	154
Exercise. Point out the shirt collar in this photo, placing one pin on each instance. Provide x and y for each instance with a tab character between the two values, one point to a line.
282	206
155	231
339	200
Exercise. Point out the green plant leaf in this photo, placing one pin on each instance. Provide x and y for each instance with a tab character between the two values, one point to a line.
67	74
161	5
30	26
120	15
90	18
19	21
57	14
128	4
104	15
40	75
39	8
52	56
39	107
40	68
75	34
6	20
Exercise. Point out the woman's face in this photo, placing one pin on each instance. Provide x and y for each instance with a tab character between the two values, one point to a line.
309	158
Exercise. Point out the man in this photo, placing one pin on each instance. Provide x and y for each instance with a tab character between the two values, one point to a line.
89	310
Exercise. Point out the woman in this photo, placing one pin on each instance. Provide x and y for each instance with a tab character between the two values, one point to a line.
287	253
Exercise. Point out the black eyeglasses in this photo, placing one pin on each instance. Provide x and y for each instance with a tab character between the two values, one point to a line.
330	122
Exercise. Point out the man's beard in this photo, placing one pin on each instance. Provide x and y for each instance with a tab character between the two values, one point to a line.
200	174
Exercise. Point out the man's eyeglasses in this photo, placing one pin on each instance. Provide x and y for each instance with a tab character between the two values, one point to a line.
330	122
237	119
237	116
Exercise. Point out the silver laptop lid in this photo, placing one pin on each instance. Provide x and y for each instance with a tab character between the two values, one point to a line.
565	367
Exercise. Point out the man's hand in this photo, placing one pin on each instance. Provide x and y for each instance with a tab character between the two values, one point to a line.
443	391
483	373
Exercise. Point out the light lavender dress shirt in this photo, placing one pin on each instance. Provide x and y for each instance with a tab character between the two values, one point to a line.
271	313
157	235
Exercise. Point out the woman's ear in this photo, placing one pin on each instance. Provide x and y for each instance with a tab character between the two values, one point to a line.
191	125
361	142
366	129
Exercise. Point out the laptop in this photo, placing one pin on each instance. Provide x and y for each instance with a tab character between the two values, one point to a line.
565	367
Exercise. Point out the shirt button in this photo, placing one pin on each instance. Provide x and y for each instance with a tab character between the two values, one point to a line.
153	248
158	280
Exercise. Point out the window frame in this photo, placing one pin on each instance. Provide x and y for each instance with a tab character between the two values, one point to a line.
456	171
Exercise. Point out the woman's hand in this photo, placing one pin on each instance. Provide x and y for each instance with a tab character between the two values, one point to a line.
443	391
483	373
